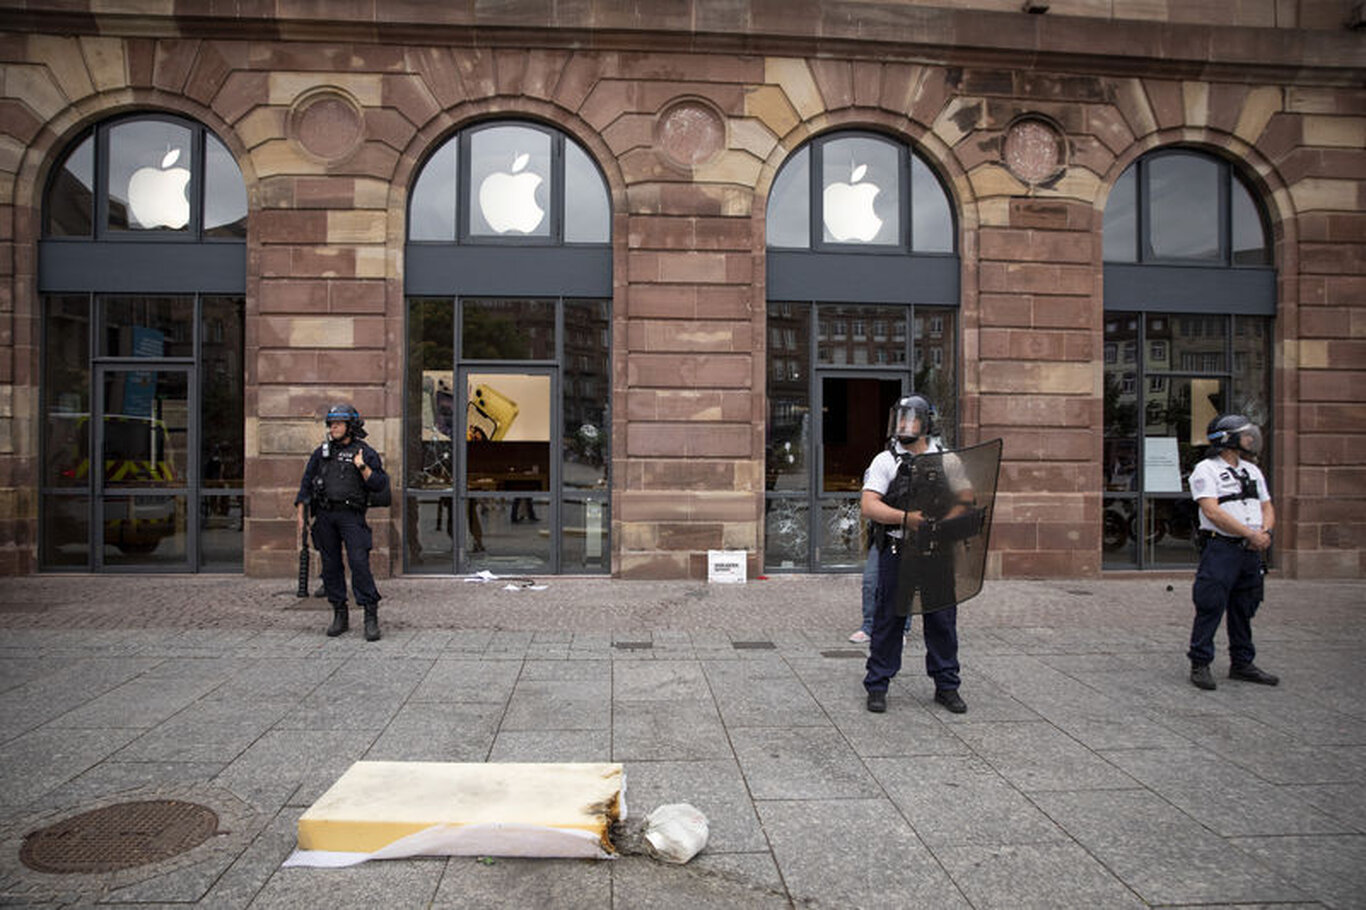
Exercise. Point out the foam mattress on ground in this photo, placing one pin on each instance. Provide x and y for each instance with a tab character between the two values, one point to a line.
392	809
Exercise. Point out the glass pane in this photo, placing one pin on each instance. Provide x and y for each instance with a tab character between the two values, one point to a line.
507	534
1170	526
935	349
785	534
146	326
225	194
71	197
584	547
861	334
1121	220
220	533
1183	207
587	379
429	536
509	182
146	427
841	542
430	394
66	392
789	406
66	532
507	431
431	210
789	204
1176	409
223	418
144	530
861	191
1189	344
149	176
1250	245
507	330
587	210
853	428
1119	545
1120	409
1252	370
931	215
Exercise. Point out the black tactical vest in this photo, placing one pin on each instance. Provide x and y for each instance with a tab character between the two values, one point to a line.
341	480
919	485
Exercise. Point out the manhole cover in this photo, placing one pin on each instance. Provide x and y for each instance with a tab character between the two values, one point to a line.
119	837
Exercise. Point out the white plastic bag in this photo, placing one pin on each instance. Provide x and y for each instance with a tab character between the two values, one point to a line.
676	832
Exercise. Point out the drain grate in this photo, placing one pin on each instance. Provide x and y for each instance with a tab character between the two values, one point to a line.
753	645
633	645
120	836
844	653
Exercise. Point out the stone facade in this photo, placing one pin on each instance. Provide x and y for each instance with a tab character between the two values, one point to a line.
690	108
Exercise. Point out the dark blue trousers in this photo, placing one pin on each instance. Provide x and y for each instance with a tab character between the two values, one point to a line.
333	529
1228	583
940	628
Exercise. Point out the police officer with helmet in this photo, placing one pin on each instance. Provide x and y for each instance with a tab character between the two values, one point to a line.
1236	522
343	478
901	508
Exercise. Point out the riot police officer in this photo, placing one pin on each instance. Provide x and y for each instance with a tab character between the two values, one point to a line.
1236	521
343	478
901	508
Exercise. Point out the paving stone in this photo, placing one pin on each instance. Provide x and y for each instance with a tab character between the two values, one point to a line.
828	858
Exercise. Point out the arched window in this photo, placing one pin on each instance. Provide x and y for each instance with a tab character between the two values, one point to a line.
863	294
509	282
141	271
1190	298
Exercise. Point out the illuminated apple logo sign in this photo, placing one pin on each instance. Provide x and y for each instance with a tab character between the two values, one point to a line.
849	211
507	199
156	196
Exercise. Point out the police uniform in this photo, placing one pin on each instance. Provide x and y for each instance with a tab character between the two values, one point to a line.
1229	577
934	577
338	495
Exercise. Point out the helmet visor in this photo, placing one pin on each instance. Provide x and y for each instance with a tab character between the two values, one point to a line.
1249	439
907	422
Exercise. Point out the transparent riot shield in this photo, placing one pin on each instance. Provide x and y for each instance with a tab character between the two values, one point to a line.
943	560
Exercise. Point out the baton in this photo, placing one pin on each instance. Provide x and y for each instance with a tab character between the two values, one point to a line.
303	558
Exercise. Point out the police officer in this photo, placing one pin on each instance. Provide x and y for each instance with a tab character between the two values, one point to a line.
1236	521
342	476
899	508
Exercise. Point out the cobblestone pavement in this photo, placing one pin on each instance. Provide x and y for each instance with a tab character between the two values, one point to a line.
1087	773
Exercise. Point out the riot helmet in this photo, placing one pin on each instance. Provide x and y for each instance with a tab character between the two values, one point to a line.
1236	432
347	414
911	418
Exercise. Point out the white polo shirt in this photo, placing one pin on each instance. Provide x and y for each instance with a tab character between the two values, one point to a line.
1214	477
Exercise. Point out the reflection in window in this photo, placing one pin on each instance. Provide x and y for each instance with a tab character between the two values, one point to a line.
225	196
789	204
146	326
1184	206
587	212
507	330
71	199
432	209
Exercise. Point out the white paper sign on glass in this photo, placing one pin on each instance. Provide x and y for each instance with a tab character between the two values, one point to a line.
1161	465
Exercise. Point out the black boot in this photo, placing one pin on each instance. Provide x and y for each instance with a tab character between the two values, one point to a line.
372	622
339	621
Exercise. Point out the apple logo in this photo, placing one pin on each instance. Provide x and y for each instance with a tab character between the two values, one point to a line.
849	211
156	196
508	198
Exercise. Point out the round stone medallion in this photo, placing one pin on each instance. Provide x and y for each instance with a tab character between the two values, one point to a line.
691	132
1034	150
327	123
